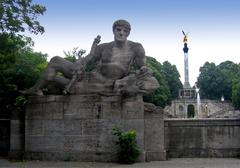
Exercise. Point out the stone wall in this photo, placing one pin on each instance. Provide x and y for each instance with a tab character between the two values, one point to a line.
79	127
202	137
4	136
17	134
5	119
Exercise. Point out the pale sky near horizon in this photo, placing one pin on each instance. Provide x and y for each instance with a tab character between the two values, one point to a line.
213	26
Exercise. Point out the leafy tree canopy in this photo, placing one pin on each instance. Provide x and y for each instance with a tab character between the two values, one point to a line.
172	77
215	81
236	93
20	67
17	15
209	80
162	95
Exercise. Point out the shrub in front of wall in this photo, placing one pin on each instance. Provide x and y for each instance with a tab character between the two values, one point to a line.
129	151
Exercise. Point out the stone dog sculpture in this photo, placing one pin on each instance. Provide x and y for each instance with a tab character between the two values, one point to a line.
114	72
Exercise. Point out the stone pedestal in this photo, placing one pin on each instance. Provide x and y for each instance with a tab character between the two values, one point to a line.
79	127
154	133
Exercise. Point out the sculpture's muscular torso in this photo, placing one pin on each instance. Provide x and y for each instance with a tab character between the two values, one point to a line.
115	61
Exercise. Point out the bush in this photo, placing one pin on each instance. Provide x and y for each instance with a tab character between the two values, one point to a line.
129	151
20	101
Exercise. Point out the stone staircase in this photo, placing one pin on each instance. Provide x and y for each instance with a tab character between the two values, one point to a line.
219	109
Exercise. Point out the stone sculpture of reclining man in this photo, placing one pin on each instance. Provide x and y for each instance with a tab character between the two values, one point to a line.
113	72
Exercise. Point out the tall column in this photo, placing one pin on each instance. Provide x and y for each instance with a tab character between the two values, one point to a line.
186	76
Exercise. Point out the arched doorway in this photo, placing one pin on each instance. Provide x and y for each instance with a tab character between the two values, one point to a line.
190	111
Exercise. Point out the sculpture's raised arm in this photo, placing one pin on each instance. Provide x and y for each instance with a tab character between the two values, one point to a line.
79	66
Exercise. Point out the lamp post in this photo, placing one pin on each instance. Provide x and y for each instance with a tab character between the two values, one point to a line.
222	101
222	98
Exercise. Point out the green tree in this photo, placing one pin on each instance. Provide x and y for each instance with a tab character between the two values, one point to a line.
236	93
17	15
229	71
74	54
210	81
10	48
216	81
172	78
20	67
162	95
27	68
236	88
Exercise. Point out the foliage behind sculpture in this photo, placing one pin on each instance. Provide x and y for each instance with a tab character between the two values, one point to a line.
220	80
20	67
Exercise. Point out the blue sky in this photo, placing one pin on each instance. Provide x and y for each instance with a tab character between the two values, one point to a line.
213	26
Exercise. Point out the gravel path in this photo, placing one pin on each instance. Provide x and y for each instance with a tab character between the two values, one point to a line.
172	163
